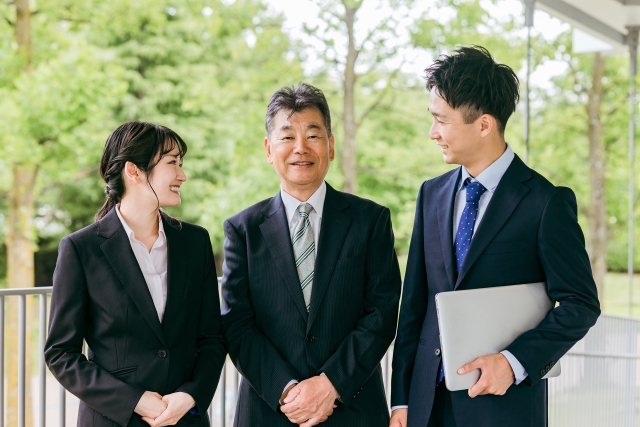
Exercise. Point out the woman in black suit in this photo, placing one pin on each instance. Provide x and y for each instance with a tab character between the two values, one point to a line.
141	288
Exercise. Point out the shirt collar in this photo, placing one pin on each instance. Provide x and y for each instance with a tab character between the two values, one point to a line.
291	203
491	176
161	236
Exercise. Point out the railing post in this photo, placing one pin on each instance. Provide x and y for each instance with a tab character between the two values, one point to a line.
42	372
22	334
62	407
223	395
2	361
236	387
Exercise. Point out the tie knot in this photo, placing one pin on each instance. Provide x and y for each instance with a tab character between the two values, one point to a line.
304	209
474	190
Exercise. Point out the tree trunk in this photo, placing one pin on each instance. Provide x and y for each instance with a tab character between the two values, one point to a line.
597	243
23	31
20	274
20	236
349	153
20	241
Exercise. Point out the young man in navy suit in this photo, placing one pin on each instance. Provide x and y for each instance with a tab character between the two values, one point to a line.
491	222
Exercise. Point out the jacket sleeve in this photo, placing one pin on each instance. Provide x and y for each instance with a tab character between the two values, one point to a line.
255	357
413	310
561	250
211	350
63	349
362	349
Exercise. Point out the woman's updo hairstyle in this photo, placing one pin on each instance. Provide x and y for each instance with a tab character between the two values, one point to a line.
140	143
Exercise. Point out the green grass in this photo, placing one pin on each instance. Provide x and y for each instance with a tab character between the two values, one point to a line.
616	295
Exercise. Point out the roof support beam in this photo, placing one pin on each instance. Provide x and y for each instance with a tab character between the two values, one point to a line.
586	21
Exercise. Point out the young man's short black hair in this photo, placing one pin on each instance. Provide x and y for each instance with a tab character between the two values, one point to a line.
295	99
471	81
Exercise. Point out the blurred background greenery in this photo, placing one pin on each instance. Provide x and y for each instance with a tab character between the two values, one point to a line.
207	68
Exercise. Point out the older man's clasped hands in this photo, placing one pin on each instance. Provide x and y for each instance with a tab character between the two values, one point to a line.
310	402
159	411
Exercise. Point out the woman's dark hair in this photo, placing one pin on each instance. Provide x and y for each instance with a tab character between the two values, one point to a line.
140	143
295	99
473	82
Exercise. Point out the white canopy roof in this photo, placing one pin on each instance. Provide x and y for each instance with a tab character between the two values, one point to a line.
606	20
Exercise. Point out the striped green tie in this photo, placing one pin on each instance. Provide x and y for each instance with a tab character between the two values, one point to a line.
304	250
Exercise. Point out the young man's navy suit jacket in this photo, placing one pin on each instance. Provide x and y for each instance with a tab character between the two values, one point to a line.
529	233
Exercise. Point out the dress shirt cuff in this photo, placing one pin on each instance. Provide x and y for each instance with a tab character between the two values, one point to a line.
286	387
518	370
393	408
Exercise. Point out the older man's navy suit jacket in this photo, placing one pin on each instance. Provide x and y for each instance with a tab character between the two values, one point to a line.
272	338
529	233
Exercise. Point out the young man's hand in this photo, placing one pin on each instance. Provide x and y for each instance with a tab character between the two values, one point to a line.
399	417
496	375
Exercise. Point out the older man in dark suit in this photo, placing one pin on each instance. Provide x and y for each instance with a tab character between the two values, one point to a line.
310	284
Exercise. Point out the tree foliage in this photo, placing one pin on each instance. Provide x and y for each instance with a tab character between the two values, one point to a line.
207	70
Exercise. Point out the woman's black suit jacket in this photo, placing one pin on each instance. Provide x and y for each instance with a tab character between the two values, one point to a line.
100	295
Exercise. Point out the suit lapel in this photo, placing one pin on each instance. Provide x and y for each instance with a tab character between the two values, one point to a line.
504	201
446	201
334	228
117	250
275	231
176	265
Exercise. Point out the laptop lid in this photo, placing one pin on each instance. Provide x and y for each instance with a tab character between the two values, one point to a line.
478	322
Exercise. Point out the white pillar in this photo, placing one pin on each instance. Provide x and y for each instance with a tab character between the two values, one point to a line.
632	41
529	6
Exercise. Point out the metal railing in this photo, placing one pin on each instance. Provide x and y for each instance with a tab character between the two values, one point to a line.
22	294
600	378
599	384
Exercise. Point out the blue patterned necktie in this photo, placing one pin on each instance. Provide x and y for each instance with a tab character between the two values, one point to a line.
467	221
465	231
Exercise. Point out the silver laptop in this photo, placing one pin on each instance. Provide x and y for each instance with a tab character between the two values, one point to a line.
477	322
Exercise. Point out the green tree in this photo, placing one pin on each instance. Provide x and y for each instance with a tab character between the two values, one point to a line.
365	64
576	142
55	90
205	69
208	73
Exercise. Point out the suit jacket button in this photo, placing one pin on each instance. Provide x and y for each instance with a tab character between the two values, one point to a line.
310	338
542	373
162	353
436	352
